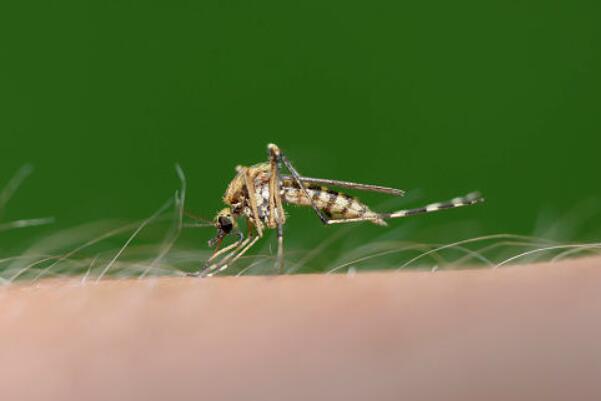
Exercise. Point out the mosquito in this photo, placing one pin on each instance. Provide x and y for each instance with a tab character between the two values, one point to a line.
258	194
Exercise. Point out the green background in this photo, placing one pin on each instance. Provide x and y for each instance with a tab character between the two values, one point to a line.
438	98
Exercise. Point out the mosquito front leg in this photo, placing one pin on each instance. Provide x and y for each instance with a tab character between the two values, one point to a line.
225	250
275	152
225	261
228	263
208	266
234	255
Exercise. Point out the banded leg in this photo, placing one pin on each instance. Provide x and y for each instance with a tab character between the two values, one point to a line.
275	152
469	199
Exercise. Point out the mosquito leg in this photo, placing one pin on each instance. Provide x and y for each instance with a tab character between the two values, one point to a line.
273	188
275	198
230	248
226	249
281	217
211	269
279	263
275	152
231	257
222	266
276	209
467	200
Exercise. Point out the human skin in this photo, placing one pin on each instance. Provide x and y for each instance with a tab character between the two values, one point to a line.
515	333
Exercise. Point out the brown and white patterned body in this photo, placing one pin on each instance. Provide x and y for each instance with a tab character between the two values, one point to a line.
334	204
259	192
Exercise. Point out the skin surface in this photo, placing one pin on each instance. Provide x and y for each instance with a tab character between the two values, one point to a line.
516	333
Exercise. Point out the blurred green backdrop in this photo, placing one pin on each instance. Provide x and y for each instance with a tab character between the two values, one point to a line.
103	97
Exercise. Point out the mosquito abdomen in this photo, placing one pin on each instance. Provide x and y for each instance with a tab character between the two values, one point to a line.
336	205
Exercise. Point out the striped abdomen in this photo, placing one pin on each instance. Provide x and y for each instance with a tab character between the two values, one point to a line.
334	204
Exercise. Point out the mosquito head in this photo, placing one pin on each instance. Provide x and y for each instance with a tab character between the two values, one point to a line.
224	223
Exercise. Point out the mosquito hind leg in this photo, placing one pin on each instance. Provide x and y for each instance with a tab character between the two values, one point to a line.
467	200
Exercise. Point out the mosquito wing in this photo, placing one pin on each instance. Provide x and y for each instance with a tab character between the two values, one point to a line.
350	185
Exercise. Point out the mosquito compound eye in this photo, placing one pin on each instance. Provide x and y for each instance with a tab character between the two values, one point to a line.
225	224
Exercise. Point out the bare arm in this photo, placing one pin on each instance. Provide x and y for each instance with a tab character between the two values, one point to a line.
529	332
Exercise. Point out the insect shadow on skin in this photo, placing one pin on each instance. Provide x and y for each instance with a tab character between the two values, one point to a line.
257	193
